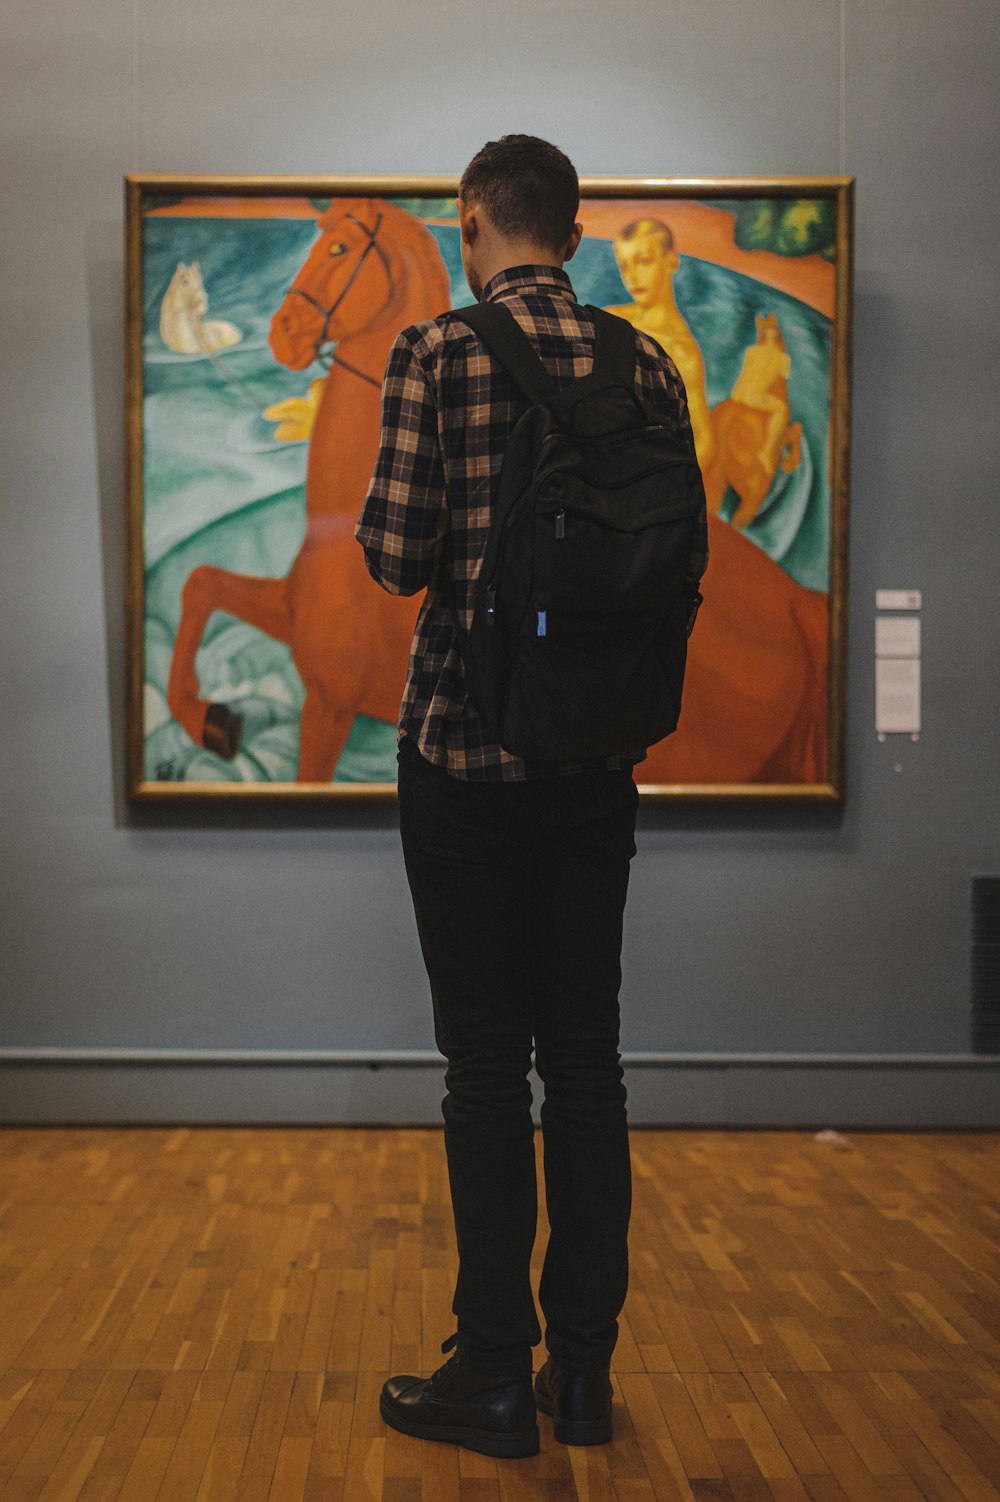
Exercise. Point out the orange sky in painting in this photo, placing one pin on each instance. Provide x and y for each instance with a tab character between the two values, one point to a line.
201	206
698	230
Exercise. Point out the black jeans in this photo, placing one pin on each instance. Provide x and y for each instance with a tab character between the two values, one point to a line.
519	892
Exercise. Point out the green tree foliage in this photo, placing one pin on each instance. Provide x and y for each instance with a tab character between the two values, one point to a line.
788	226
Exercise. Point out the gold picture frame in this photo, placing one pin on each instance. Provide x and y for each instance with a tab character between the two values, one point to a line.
748	284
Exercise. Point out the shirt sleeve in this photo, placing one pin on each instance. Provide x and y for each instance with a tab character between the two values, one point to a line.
405	517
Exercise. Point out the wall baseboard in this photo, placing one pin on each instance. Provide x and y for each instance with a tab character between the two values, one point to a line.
292	1087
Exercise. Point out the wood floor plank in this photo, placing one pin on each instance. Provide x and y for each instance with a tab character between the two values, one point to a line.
15	1386
761	1440
331	1439
230	1440
265	1437
209	1314
97	1416
670	1438
986	1412
787	1489
788	1426
42	1456
741	1472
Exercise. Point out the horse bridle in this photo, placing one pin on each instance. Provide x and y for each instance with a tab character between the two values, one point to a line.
328	358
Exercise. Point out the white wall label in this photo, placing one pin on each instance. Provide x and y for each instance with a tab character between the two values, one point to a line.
897	636
897	695
897	599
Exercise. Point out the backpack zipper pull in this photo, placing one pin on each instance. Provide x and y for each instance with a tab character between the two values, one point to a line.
491	605
560	523
542	622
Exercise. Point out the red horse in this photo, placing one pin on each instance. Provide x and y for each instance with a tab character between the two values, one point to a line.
373	270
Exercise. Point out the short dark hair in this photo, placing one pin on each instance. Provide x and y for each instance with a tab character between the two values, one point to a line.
528	187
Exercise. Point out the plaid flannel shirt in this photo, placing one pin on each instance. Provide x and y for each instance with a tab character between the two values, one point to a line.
448	410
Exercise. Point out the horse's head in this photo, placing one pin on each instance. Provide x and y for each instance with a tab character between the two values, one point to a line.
187	289
374	266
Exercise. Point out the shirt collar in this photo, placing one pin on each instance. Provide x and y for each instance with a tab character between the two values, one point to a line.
517	280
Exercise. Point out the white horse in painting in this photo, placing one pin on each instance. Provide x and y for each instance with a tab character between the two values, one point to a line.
182	312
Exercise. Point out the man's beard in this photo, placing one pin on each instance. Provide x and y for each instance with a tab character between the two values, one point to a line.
475	285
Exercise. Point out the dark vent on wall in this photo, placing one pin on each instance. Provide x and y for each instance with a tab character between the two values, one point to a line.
986	964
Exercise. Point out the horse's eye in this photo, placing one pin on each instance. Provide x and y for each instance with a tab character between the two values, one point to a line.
338	248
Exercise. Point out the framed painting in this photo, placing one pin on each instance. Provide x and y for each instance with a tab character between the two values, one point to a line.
263	661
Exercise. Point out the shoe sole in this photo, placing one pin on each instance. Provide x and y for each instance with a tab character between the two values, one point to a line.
575	1431
483	1441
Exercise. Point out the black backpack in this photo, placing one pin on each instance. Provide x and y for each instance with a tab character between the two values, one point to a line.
578	641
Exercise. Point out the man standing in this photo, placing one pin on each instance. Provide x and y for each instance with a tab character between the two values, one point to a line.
518	869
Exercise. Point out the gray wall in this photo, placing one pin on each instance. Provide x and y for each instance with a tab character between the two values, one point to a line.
750	931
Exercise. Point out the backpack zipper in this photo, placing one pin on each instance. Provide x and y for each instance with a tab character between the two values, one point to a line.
491	588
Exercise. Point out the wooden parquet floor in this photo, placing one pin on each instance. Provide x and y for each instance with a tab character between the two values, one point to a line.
209	1314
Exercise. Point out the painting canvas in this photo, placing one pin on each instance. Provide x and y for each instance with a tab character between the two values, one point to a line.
264	660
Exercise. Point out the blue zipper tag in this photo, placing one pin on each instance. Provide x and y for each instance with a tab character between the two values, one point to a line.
541	622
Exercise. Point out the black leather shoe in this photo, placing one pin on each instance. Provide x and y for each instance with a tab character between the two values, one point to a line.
580	1406
491	1413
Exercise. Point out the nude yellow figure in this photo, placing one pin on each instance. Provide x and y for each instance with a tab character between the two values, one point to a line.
753	428
762	384
647	262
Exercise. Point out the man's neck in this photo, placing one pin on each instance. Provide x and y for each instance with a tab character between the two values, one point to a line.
517	253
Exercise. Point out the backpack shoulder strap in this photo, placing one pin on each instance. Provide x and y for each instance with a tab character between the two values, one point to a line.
614	355
509	344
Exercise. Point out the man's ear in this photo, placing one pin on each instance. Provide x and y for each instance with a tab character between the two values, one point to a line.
573	242
467	221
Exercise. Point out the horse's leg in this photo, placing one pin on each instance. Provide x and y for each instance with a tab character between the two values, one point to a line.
774	438
791	456
714	477
323	732
751	487
260	602
716	474
715	485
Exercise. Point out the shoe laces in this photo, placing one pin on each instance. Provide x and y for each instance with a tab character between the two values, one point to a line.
435	1380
